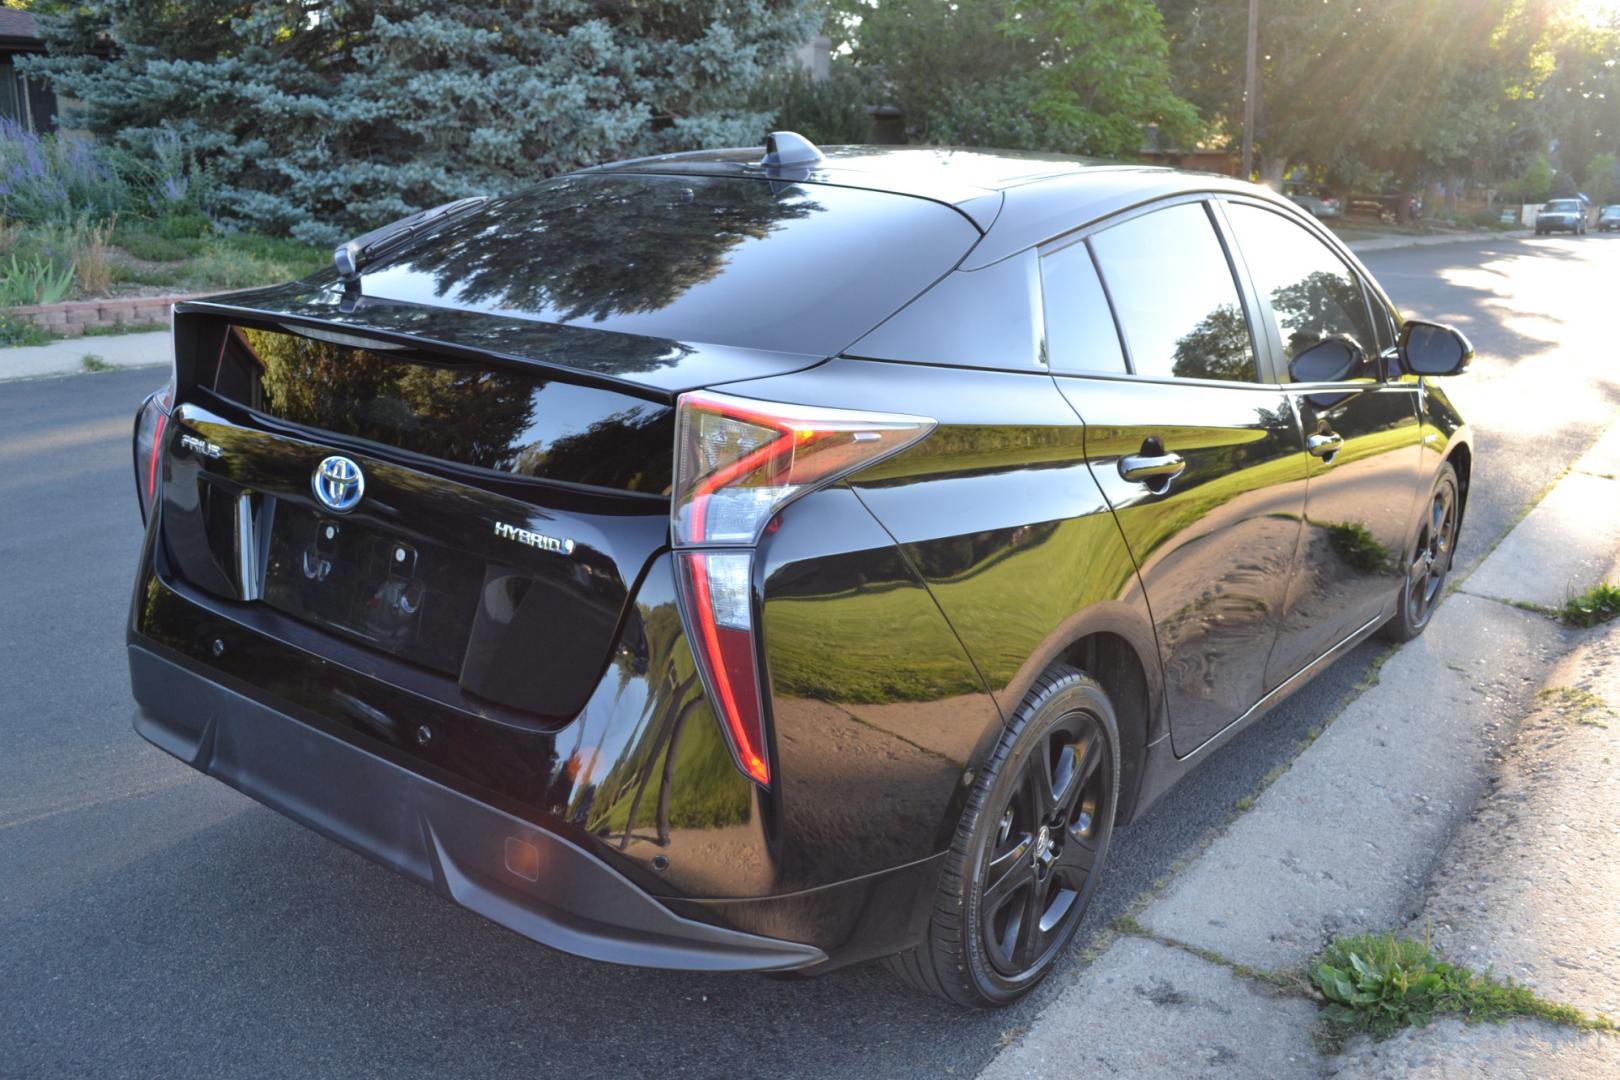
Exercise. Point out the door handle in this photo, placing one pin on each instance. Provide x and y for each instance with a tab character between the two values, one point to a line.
1151	468
1324	445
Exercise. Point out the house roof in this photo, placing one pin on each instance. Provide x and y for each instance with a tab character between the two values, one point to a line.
19	30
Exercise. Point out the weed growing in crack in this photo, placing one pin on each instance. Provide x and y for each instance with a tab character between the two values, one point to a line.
1378	984
1596	605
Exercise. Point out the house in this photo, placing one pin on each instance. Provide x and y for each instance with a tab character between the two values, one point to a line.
29	103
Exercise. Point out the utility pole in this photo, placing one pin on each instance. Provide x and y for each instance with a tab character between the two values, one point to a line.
1251	78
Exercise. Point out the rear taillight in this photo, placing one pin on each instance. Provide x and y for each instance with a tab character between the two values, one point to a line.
150	423
738	462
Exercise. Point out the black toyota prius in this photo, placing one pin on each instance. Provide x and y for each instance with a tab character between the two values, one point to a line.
749	562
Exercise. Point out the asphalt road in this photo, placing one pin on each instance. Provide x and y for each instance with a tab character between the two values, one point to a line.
155	923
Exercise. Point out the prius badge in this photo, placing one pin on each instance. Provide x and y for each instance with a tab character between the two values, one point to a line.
534	539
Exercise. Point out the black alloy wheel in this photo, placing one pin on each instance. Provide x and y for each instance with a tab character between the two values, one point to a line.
1431	560
1028	854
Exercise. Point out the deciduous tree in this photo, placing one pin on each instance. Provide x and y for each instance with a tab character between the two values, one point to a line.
1074	76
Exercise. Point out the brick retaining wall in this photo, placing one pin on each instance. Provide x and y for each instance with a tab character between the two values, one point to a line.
73	318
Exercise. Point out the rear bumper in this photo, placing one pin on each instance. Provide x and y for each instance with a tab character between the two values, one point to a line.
514	873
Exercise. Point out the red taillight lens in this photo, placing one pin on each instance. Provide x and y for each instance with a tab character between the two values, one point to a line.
718	589
737	462
150	423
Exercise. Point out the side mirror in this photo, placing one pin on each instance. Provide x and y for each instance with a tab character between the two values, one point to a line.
1434	349
1332	359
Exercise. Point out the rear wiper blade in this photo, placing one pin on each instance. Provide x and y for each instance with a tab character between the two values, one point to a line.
352	257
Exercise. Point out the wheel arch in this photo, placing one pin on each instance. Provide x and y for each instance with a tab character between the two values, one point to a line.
1461	458
1112	643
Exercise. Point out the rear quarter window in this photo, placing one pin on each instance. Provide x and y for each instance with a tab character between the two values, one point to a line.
1080	333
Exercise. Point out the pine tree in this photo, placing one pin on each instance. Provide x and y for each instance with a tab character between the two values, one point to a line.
321	117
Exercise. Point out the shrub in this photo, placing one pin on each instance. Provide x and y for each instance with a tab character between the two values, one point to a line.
17	330
92	256
827	111
49	178
34	280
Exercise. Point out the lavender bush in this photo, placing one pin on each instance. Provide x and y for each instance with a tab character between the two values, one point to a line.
45	178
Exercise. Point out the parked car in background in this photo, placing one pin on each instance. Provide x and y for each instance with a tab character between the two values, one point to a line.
1315	199
1561	215
739	564
1609	218
1386	206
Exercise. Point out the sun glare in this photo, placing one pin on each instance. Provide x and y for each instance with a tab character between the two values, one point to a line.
1596	12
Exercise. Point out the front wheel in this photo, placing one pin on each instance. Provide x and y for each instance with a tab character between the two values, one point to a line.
1029	850
1431	560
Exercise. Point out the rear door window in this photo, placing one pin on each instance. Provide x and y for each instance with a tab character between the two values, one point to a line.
1177	302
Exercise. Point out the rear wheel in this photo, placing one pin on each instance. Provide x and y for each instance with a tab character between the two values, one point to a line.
1029	850
1431	560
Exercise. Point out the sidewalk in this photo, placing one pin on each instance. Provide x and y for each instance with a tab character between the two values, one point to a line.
1380	826
67	356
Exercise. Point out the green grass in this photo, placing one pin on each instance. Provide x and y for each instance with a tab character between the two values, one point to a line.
180	254
170	258
1581	706
92	362
1596	605
1377	984
1358	548
185	253
710	791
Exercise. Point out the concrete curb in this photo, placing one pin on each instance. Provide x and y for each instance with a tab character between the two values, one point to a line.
147	349
1345	841
1390	243
1571	540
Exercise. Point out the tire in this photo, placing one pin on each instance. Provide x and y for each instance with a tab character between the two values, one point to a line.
1010	868
1425	581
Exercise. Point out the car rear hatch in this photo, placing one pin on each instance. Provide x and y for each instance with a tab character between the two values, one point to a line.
501	513
504	385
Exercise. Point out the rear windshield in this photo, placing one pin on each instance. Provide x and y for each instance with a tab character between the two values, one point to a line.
804	268
472	414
